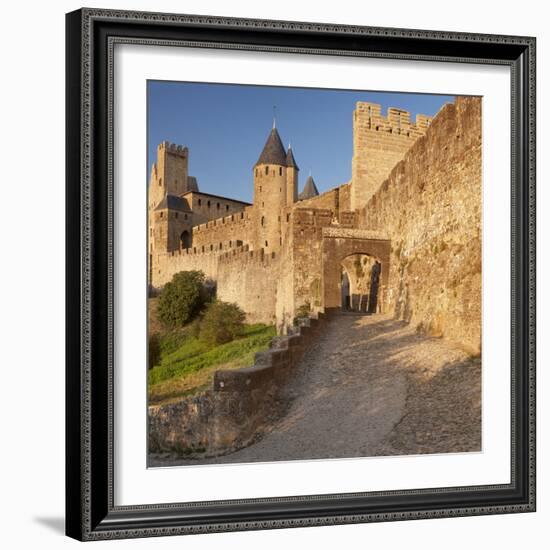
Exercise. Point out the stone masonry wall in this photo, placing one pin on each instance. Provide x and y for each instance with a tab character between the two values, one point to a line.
234	227
208	207
327	200
430	208
308	255
337	200
249	278
345	197
285	305
167	264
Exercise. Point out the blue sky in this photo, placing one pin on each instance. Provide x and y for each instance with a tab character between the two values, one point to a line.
226	126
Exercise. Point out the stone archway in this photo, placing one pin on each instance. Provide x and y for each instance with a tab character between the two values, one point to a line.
341	243
360	283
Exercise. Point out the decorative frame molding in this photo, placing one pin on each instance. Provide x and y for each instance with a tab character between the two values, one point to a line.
91	36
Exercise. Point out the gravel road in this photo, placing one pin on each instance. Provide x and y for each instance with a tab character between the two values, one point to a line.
372	386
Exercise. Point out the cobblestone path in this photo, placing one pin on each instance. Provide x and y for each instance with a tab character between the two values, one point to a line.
372	386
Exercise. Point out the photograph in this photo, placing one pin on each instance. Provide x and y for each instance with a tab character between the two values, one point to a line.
300	273
314	273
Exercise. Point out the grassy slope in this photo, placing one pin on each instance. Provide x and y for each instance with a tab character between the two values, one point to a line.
187	364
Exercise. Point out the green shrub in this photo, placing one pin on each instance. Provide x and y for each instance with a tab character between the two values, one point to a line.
222	322
182	298
154	350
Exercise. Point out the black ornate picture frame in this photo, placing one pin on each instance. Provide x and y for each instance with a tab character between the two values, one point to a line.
90	510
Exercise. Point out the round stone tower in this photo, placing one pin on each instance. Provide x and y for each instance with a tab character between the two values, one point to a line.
270	192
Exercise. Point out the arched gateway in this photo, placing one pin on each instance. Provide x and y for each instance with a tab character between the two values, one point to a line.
360	281
346	250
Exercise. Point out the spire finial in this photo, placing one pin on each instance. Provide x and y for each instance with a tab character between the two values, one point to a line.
310	172
274	116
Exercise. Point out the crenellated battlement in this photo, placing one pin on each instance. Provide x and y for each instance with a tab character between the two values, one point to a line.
244	255
237	218
379	143
173	148
192	251
224	232
210	248
397	121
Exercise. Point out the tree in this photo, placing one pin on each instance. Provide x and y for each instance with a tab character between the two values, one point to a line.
182	298
221	323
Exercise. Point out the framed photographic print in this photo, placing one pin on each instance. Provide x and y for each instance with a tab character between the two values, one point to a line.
300	274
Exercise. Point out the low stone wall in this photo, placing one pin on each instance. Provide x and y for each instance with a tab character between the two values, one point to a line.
237	408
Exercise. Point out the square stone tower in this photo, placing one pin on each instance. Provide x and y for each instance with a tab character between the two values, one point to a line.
379	143
169	176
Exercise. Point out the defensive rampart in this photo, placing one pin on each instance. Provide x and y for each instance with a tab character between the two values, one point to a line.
430	208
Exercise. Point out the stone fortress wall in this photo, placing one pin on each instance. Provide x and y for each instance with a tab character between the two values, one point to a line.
206	207
430	208
250	278
226	230
415	189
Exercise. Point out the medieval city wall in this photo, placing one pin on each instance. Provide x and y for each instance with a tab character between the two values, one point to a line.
207	207
165	229
308	255
337	199
300	283
430	207
249	278
167	264
285	305
225	231
327	200
344	198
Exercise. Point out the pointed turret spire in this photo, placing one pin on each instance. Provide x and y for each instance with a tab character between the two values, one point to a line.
310	189
273	151
290	160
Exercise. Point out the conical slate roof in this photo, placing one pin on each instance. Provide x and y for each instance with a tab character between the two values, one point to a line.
273	151
290	161
310	190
